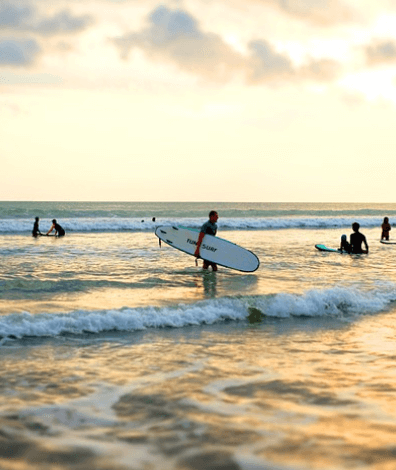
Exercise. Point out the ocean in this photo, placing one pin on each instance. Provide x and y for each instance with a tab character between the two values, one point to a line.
118	354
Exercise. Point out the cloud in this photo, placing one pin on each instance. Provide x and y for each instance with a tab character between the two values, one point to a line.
18	52
380	52
175	36
320	70
322	12
12	16
26	24
25	18
266	64
63	22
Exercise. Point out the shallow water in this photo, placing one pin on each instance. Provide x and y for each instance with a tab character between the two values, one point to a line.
119	354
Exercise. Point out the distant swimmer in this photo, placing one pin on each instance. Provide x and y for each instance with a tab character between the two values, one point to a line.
59	231
386	228
209	227
36	231
356	240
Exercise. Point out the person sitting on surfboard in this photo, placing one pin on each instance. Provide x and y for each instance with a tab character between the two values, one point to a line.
386	228
36	231
345	246
356	239
210	228
59	231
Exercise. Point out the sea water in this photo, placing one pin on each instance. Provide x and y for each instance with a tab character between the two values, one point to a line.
117	353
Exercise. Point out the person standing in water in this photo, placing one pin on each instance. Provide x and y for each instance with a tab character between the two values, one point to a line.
59	231
36	231
356	240
344	246
210	228
386	228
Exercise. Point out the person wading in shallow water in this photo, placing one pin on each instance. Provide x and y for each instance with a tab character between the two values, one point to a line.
344	246
36	231
210	228
356	240
386	228
59	231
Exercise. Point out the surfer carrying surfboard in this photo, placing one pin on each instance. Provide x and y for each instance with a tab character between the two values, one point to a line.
210	228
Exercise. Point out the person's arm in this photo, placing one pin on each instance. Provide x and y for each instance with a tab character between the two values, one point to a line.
50	230
366	245
199	242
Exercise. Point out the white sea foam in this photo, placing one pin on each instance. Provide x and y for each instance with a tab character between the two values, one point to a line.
117	224
337	302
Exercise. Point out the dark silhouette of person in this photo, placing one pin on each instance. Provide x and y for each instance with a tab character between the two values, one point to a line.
356	240
386	228
344	246
59	231
209	227
36	231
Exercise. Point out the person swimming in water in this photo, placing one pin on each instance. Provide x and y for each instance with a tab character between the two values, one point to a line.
59	231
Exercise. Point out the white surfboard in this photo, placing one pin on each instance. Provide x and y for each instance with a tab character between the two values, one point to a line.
213	249
388	242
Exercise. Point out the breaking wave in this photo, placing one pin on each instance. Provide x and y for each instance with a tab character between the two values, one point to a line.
335	302
110	224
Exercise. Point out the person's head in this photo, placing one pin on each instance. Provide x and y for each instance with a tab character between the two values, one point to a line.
386	220
213	216
54	221
343	238
37	219
355	227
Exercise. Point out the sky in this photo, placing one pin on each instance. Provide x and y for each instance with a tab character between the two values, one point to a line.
198	100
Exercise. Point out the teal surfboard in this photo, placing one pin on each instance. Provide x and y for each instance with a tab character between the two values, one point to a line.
332	250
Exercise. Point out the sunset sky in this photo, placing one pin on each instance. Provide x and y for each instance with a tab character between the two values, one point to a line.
198	100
